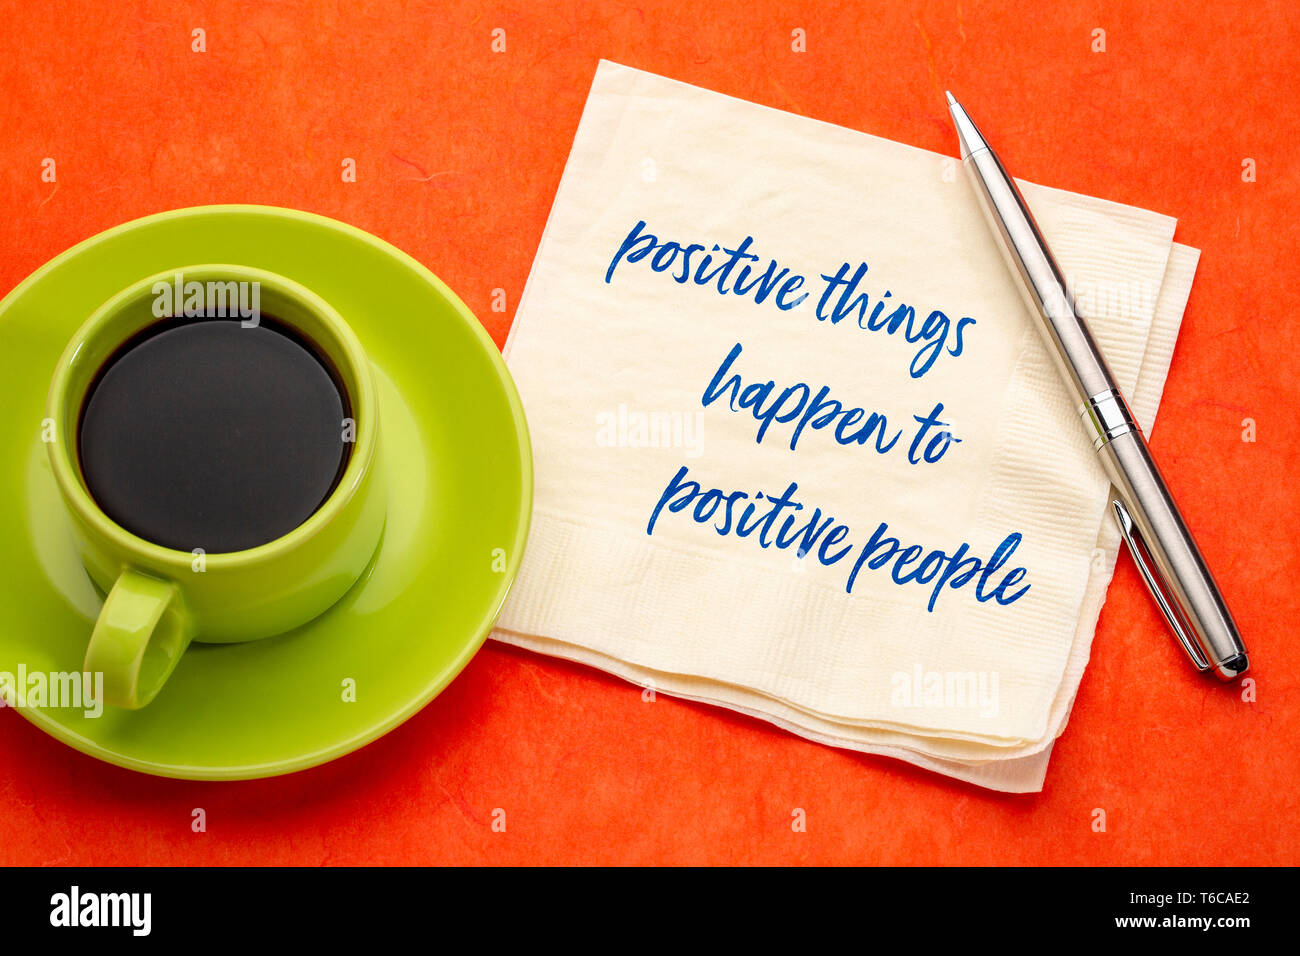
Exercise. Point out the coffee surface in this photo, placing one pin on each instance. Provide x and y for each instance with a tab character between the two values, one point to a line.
211	435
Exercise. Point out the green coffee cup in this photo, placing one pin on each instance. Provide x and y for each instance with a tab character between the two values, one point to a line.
160	598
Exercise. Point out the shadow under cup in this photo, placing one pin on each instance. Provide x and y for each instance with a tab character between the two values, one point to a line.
292	559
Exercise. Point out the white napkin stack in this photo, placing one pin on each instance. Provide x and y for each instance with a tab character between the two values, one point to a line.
614	355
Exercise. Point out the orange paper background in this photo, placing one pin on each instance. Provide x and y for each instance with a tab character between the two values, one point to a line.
459	152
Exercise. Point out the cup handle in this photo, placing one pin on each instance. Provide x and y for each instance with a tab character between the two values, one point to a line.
142	631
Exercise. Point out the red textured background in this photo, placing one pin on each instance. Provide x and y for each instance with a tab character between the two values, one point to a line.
459	152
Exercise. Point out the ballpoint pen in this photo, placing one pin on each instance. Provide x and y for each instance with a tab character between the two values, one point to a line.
1163	549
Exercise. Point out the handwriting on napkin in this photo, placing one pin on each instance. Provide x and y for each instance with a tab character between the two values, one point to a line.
781	520
844	295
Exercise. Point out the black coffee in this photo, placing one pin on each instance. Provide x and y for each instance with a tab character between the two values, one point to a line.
206	434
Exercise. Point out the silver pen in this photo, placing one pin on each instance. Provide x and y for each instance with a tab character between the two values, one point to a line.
1162	547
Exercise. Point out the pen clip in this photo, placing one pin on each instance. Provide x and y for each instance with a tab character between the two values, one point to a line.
1167	605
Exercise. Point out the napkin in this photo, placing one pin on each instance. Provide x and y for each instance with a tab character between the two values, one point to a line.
838	485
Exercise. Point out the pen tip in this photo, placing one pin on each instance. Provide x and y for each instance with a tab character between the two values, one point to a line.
951	100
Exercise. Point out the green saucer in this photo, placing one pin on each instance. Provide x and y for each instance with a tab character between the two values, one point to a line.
458	465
